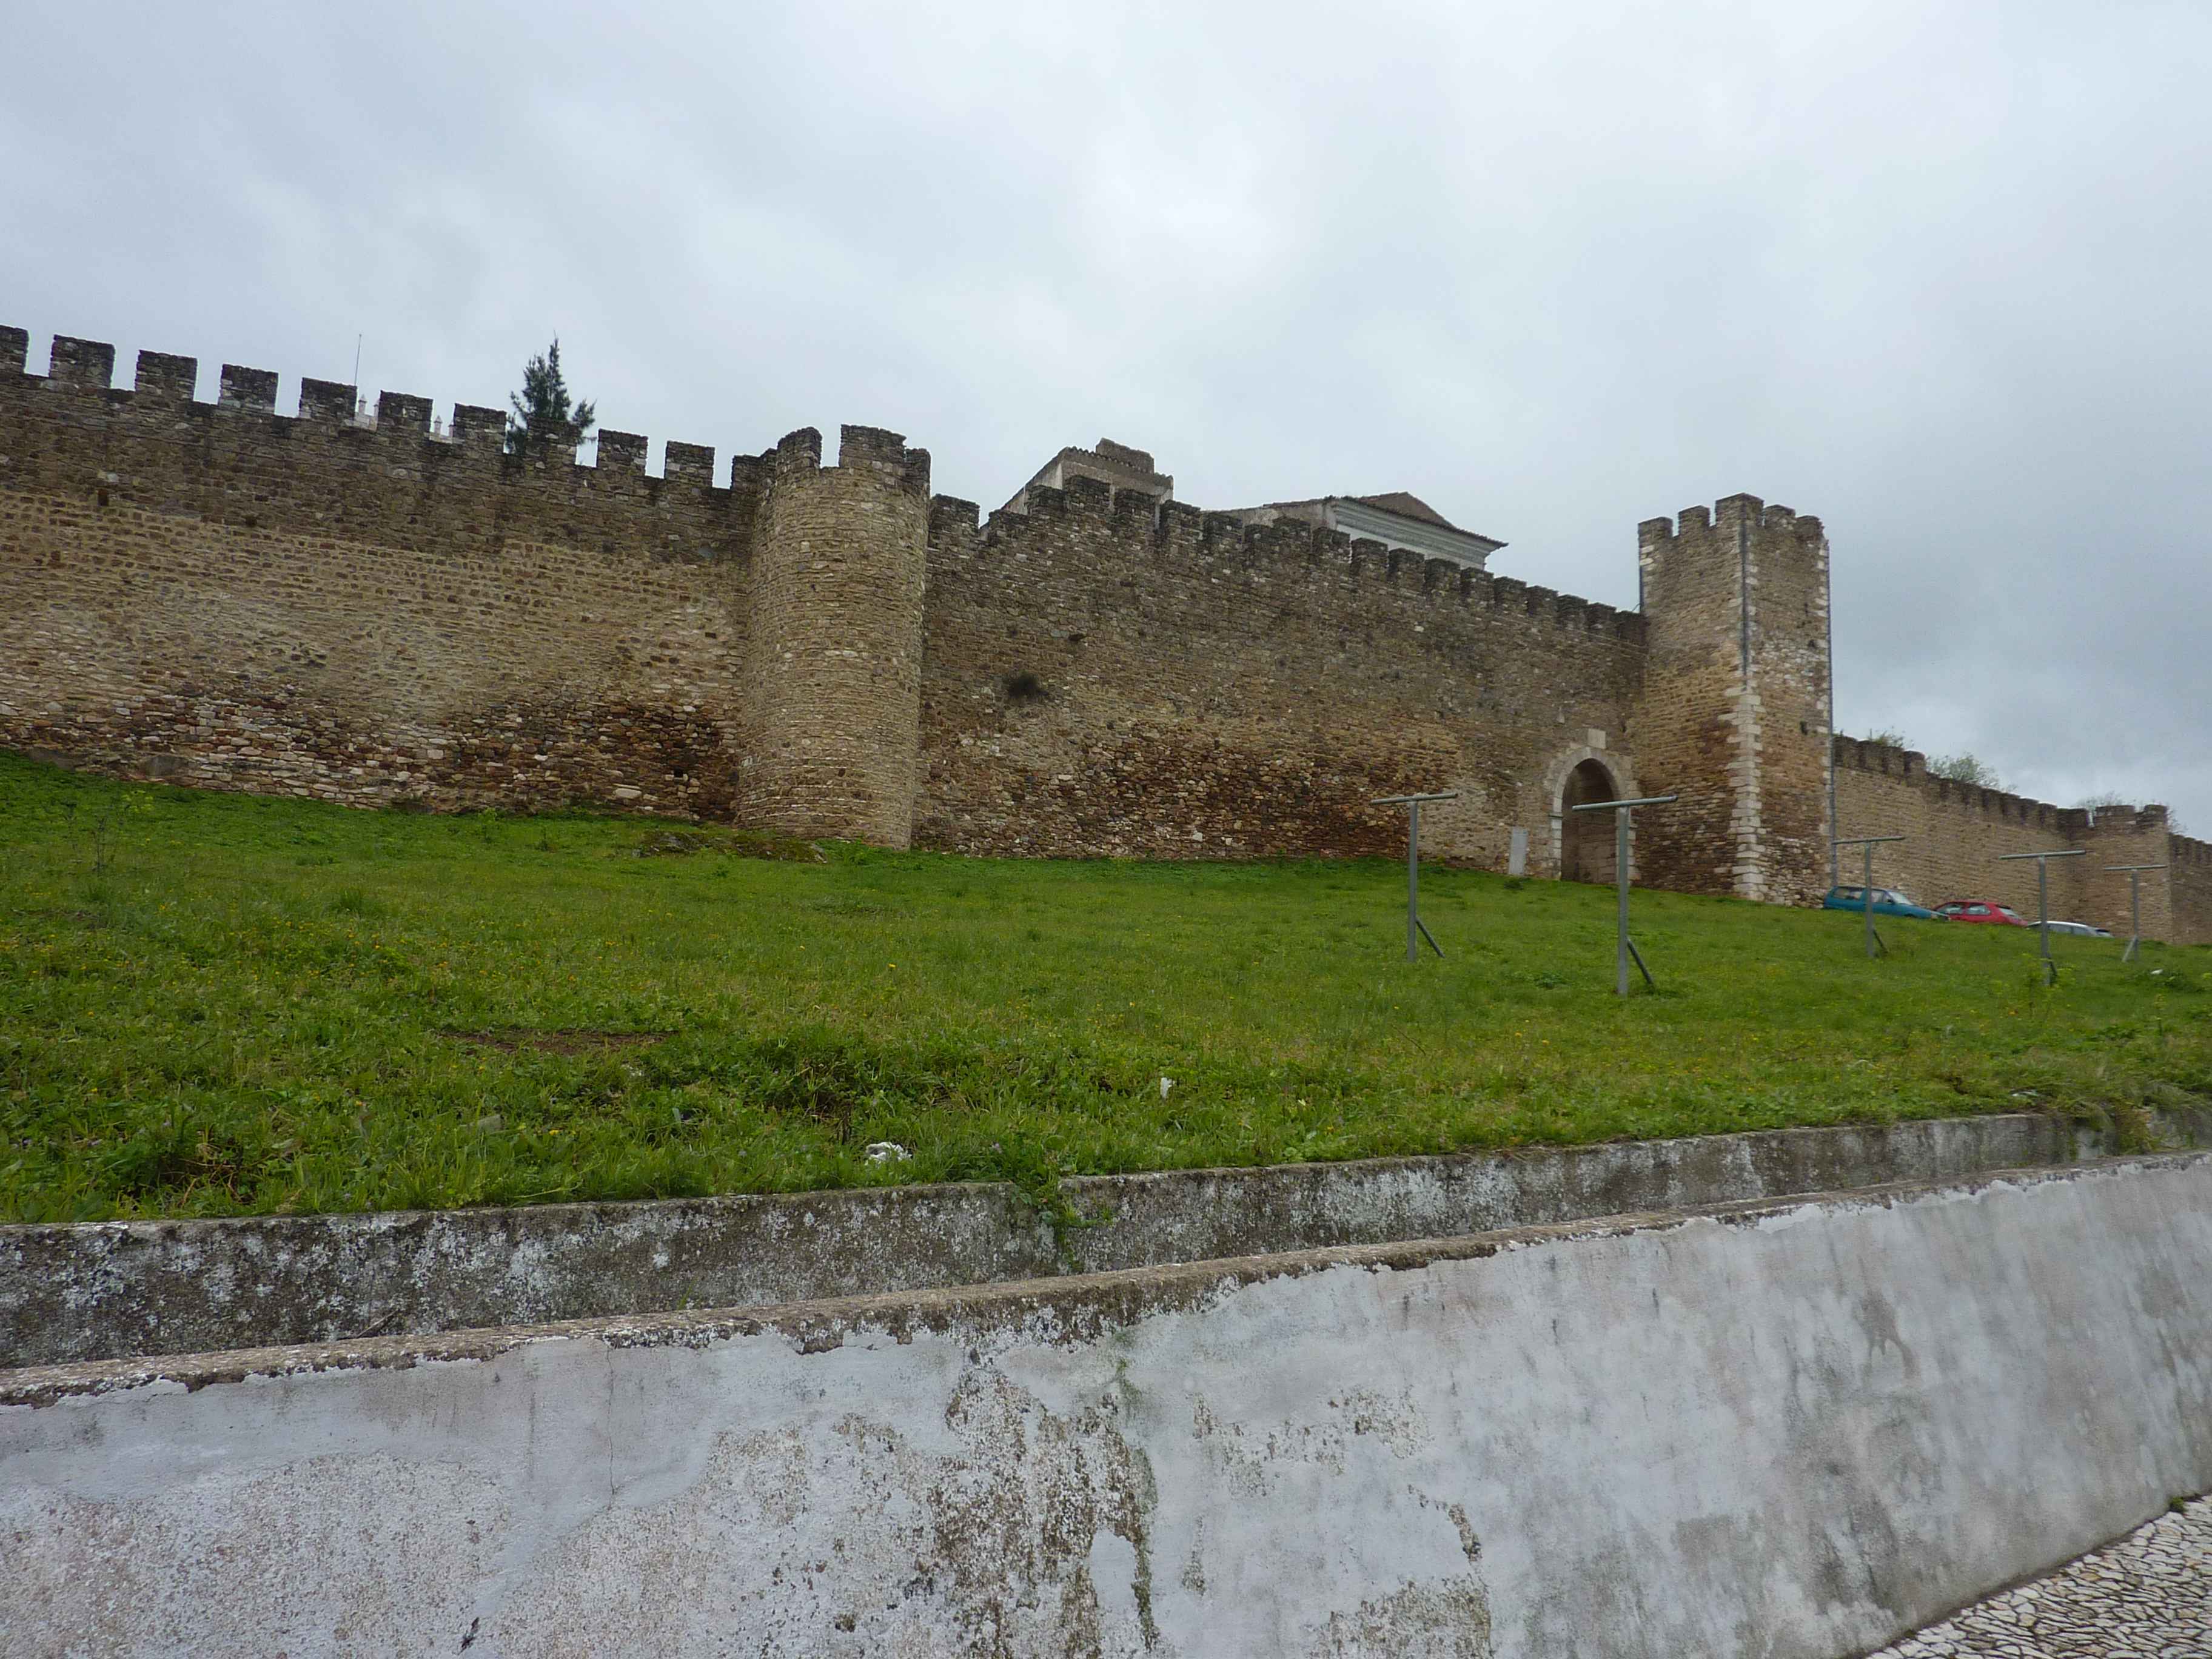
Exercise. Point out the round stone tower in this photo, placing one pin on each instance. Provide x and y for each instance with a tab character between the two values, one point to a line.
834	641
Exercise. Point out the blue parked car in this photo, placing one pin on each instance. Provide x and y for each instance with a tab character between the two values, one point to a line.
1887	901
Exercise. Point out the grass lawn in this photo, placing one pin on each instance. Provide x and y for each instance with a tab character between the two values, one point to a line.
215	1005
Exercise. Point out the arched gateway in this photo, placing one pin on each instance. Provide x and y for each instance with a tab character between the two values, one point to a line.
1586	839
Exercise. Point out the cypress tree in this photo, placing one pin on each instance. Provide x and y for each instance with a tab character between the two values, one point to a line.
543	415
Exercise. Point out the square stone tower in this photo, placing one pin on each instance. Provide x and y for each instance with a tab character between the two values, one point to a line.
1737	703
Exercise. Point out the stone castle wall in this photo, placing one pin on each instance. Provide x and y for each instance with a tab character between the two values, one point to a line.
2190	890
1108	674
1957	836
234	599
363	612
367	610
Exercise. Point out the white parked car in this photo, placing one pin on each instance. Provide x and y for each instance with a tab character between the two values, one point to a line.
2081	927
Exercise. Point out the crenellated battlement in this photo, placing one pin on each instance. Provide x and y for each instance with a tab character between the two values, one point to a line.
1124	459
1910	766
1729	513
860	449
343	569
254	391
165	378
2127	820
166	382
618	452
327	400
1141	525
1956	835
1869	756
82	365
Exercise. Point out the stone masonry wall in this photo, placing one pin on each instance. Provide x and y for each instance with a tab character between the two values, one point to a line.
1958	834
837	609
1734	713
233	598
2115	835
354	609
2191	889
1106	676
1790	704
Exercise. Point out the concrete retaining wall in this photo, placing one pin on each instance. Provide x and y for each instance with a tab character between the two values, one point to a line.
115	1290
1790	1429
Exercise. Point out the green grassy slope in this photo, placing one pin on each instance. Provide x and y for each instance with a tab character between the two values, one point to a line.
213	1004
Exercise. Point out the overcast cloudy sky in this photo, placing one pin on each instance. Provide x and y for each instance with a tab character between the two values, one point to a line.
1938	272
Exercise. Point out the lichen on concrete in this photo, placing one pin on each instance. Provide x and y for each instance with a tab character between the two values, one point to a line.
114	1289
1813	1420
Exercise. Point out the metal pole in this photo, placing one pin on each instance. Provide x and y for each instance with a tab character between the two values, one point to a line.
1866	899
1414	931
2134	873
1620	882
1868	843
2043	900
1413	881
1624	948
2043	914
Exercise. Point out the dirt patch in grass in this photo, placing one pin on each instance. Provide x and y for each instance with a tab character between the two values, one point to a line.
513	1041
179	1157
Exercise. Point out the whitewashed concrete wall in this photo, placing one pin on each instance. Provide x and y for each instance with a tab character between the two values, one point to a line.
123	1289
1787	1429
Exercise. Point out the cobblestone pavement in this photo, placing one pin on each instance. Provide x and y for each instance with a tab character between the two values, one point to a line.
2148	1597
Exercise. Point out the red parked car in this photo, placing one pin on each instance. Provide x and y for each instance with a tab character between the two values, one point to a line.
1982	910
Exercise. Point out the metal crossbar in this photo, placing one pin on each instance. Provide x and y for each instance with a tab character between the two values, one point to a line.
1609	805
1624	948
1416	930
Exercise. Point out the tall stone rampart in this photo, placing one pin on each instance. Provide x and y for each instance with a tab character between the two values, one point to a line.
1106	674
353	608
360	609
1959	835
367	609
2190	887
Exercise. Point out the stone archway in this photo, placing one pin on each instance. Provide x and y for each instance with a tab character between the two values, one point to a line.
1586	839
